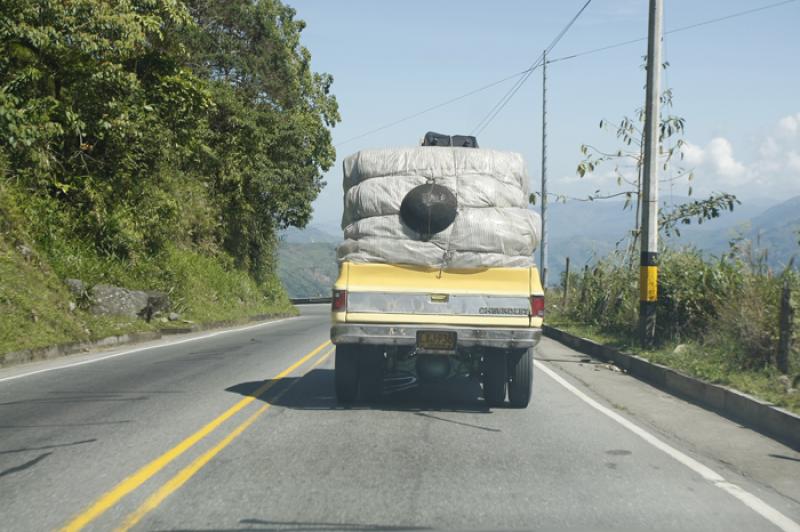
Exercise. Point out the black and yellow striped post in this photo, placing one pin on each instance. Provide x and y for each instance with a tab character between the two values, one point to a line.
648	276
648	296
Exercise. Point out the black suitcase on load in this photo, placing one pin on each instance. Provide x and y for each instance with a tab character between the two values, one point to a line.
464	141
459	141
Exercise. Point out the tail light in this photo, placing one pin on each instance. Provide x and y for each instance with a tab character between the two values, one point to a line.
339	301
537	306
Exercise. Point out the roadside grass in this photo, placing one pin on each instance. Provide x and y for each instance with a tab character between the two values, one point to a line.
712	363
35	303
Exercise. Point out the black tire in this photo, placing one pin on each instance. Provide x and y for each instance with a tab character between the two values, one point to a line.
494	378
371	374
520	371
346	373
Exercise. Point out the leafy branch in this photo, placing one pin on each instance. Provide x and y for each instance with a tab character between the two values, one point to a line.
630	132
697	211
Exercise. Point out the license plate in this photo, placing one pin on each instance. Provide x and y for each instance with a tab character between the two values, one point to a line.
436	340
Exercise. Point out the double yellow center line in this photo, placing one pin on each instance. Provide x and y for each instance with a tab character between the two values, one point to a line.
131	483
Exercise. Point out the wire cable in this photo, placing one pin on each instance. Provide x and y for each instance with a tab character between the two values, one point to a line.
502	101
500	105
432	108
523	76
675	30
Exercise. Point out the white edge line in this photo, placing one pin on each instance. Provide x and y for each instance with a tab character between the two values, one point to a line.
751	501
146	348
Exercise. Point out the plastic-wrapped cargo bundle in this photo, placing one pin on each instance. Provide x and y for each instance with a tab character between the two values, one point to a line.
492	227
508	231
435	163
383	195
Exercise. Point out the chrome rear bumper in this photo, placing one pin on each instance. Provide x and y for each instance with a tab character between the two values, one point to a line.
406	335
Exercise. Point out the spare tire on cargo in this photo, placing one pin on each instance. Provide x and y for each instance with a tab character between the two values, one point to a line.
383	195
429	209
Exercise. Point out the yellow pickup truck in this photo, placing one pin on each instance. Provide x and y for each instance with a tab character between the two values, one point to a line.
483	323
435	321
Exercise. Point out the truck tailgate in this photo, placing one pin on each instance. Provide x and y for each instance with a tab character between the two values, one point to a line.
384	293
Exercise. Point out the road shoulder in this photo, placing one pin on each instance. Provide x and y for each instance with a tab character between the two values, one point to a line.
719	440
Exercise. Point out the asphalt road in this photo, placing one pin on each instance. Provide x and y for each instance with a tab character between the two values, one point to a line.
240	430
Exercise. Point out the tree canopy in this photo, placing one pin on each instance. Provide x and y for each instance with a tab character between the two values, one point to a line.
130	123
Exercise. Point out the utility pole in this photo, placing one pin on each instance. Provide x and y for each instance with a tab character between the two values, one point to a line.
565	299
648	264
543	260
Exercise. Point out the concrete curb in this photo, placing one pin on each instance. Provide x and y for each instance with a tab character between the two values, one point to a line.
751	412
55	351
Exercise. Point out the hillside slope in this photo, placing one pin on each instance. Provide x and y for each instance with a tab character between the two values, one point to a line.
38	310
148	153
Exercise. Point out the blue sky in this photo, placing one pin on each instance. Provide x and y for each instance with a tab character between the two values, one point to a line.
736	83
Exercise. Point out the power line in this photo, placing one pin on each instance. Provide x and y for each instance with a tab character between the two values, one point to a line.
596	50
500	105
525	74
497	107
675	30
432	108
522	77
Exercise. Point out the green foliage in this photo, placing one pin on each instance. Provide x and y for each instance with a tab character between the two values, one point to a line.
697	211
687	286
269	138
690	291
35	303
607	293
703	360
628	167
748	324
134	132
722	313
89	95
119	111
731	303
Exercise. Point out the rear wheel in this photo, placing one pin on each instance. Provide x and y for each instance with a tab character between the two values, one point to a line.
371	374
346	373
520	371
494	378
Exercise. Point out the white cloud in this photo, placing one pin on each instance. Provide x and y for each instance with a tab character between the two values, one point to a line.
789	125
774	171
768	168
693	155
720	155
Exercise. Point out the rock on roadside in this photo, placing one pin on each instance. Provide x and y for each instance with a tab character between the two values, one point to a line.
106	299
110	300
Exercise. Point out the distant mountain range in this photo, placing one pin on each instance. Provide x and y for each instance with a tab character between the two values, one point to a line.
775	230
307	261
583	231
312	234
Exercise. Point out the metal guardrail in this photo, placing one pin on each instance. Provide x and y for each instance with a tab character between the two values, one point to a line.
309	300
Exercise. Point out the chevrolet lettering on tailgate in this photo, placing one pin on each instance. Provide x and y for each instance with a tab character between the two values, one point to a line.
506	311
